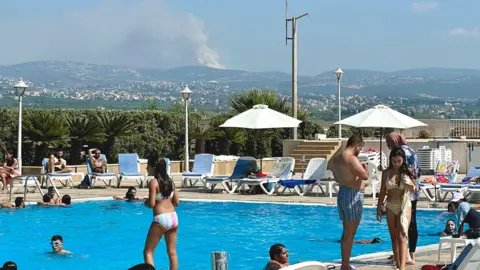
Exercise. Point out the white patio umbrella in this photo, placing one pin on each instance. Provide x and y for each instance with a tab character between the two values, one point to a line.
381	116
261	117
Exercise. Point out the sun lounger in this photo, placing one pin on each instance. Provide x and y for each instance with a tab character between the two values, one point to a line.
427	189
30	181
149	177
451	188
229	182
310	265
129	169
469	259
65	179
202	168
94	177
316	170
283	169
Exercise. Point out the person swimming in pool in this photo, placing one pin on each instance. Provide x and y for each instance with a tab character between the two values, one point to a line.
375	240
57	245
19	204
130	196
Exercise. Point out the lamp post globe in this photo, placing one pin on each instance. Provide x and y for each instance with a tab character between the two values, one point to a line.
20	88
186	94
338	73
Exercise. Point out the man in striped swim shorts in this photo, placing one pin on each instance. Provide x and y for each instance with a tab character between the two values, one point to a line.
350	174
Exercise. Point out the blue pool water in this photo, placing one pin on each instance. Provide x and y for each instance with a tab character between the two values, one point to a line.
111	234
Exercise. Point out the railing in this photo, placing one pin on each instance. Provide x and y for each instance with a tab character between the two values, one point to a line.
469	128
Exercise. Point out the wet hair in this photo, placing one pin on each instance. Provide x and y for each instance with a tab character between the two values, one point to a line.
355	140
377	240
57	238
9	266
18	201
143	266
276	250
51	189
404	168
446	225
130	196
66	199
165	183
47	198
129	191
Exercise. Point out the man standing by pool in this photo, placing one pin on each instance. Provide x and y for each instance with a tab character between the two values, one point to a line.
350	174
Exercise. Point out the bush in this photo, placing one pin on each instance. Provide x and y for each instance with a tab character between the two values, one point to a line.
423	134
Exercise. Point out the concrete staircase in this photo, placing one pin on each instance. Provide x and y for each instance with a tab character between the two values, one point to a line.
313	149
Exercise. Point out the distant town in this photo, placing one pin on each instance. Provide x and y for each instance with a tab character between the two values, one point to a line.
57	84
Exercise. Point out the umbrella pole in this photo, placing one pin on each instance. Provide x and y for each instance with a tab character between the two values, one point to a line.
381	153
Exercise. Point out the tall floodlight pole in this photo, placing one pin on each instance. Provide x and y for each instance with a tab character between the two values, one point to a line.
293	38
186	93
20	88
339	74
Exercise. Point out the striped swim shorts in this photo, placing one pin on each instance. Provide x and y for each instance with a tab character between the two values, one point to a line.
350	204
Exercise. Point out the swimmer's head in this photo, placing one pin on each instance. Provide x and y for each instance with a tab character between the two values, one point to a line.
66	199
47	198
449	226
19	202
131	190
9	266
57	243
279	253
130	196
451	207
377	240
51	191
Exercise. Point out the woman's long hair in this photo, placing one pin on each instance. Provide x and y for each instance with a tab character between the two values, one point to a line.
404	168
165	183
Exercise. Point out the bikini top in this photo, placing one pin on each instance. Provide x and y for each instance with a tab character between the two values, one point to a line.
393	185
160	197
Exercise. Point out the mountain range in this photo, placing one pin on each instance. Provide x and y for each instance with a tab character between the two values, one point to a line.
434	82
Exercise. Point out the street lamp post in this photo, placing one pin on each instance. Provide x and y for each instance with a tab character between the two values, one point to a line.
20	88
186	93
339	74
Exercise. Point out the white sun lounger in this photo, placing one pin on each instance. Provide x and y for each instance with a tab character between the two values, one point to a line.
108	176
202	168
310	265
30	181
65	179
316	170
427	188
283	169
469	259
451	188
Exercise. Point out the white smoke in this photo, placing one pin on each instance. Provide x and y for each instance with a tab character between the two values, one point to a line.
142	33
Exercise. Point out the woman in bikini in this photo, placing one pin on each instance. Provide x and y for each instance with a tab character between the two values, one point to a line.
9	169
399	180
163	198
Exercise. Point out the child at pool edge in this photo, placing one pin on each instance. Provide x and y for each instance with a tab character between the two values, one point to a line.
57	245
163	198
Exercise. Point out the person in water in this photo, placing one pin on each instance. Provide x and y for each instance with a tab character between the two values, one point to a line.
19	204
9	266
464	213
57	245
399	180
130	196
278	257
350	174
449	228
375	240
163	198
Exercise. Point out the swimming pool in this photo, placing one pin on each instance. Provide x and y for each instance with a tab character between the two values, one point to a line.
111	234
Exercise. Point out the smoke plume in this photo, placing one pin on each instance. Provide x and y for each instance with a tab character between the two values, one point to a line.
141	33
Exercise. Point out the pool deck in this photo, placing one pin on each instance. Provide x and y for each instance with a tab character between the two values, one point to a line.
424	255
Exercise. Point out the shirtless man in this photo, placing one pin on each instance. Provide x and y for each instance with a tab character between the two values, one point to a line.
57	164
350	174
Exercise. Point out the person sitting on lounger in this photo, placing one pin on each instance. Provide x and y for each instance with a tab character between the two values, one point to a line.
99	165
57	164
9	169
278	257
373	241
130	196
19	204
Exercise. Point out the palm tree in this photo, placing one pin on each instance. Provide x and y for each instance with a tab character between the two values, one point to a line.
83	130
46	131
201	134
115	126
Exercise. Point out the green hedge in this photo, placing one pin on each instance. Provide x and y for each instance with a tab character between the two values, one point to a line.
153	133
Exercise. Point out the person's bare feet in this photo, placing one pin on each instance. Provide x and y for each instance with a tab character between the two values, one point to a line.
410	262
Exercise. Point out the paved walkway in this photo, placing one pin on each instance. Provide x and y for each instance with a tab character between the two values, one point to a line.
426	256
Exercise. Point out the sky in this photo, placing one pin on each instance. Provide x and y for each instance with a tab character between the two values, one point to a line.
383	35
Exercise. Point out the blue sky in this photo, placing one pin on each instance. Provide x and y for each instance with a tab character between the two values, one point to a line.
381	35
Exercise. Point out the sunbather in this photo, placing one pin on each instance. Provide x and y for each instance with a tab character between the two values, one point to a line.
57	164
130	196
278	257
99	165
19	203
9	169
